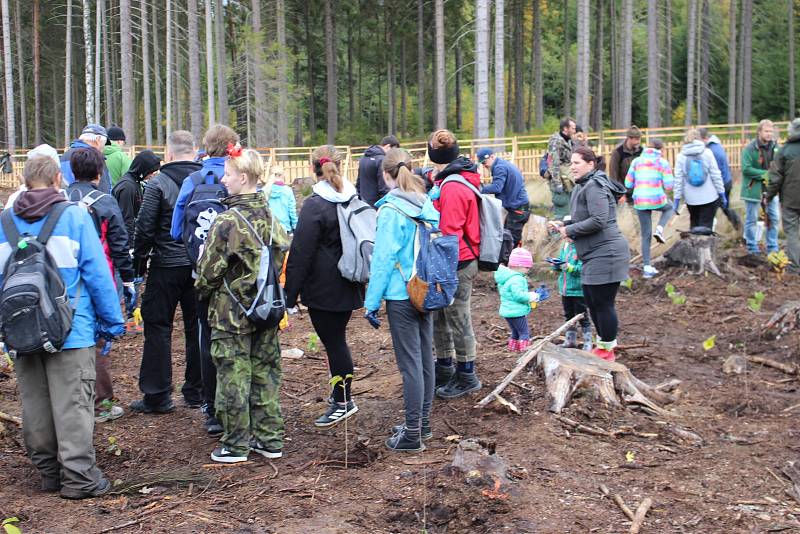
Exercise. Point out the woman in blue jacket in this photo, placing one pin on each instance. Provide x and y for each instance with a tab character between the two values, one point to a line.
390	268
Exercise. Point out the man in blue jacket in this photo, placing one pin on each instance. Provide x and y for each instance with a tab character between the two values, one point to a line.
715	146
508	185
57	390
92	136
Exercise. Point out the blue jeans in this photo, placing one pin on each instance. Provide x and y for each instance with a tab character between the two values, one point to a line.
751	212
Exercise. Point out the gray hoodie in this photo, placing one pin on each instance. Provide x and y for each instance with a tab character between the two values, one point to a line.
711	188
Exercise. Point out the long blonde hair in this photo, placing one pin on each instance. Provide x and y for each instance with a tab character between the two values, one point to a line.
398	165
326	161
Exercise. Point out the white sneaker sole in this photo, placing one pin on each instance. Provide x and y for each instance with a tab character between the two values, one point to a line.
228	459
267	454
340	419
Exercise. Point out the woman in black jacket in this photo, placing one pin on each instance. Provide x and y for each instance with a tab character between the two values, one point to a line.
312	273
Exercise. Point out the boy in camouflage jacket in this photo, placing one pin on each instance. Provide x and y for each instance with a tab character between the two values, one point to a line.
247	359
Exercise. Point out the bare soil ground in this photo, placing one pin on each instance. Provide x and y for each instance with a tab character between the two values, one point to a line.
732	482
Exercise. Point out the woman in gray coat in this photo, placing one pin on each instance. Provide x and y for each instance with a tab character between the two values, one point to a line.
599	243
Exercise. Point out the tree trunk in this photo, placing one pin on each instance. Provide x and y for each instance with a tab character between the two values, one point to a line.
615	65
169	69
690	59
11	126
107	62
441	88
259	87
283	74
88	49
627	66
37	74
705	81
391	126
538	81
519	61
404	89
565	49
126	64
482	69
23	113
732	60
330	68
67	76
98	46
747	73
298	113
312	109
195	92
599	60
499	69
351	90
582	70
160	139
653	67
222	75
459	87
420	68
668	63
148	113
792	107
210	74
740	69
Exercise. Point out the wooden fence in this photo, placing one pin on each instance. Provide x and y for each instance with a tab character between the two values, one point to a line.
524	151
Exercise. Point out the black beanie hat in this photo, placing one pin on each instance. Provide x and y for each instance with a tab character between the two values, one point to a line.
443	155
144	163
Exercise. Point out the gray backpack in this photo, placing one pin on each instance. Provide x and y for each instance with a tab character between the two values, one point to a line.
491	223
357	225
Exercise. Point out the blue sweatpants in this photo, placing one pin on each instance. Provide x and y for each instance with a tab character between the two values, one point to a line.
519	327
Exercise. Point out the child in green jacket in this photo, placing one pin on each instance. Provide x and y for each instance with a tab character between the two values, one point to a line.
569	286
515	299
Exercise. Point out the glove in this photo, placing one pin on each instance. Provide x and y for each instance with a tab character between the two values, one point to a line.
109	334
106	350
129	293
569	267
724	199
676	205
372	317
542	293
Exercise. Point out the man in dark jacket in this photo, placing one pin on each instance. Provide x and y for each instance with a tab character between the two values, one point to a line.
93	136
715	146
784	180
623	156
128	190
508	186
369	184
168	284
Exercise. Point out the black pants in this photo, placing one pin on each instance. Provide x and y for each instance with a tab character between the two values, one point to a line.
166	288
207	368
572	307
703	214
600	301
515	222
732	216
331	327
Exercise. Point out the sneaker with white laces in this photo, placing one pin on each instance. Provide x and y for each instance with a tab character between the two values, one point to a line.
113	412
224	455
649	271
336	412
659	234
267	452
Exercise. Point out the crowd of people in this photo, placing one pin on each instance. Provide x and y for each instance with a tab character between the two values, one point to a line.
202	226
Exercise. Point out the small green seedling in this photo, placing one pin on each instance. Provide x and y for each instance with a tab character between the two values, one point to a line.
754	302
313	343
627	284
676	298
709	343
9	527
670	289
113	448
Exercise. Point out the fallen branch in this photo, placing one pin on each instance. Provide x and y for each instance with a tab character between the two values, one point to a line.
139	519
640	513
583	428
11	418
525	360
618	500
788	368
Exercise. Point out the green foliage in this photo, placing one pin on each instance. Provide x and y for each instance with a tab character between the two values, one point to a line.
9	527
676	298
754	302
113	446
628	284
313	343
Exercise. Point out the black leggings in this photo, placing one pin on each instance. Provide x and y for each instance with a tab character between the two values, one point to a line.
600	301
331	327
572	307
703	214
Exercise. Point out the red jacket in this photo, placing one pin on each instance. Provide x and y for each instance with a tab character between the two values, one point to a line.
458	208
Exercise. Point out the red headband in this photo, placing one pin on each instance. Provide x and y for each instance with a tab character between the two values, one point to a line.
323	160
234	151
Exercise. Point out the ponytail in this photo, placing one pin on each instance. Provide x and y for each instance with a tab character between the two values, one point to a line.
330	172
397	163
326	160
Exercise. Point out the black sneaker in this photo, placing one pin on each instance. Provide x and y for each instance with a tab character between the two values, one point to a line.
335	413
223	455
459	385
140	406
103	487
193	403
51	484
401	442
267	452
213	426
443	374
425	434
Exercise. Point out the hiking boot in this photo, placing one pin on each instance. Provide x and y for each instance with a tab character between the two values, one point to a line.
459	385
50	484
425	432
605	350
267	452
139	406
224	455
649	271
587	339
402	442
103	487
444	373
570	339
114	412
659	234
336	412
213	426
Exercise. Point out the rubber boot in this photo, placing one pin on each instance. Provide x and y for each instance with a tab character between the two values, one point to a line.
587	338
512	345
570	339
605	350
523	344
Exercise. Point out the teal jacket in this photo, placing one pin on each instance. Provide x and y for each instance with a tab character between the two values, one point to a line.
569	281
283	206
513	287
394	245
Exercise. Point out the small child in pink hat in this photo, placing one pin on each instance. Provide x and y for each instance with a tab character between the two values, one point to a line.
516	299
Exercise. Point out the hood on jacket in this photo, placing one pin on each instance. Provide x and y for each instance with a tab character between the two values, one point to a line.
143	164
503	274
374	150
714	139
617	189
215	165
276	190
461	165
414	205
650	153
695	148
111	149
247	200
326	191
34	204
177	171
794	131
77	143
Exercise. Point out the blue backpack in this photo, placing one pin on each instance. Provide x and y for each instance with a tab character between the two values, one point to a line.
696	172
202	208
544	165
434	279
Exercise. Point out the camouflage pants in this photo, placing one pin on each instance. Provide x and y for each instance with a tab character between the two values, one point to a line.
452	326
248	384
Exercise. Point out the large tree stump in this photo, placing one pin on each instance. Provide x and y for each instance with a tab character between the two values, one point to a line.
567	371
698	253
785	318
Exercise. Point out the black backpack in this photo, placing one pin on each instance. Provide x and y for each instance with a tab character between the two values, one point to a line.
35	312
202	208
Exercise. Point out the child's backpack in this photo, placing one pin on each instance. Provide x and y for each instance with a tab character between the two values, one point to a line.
357	225
544	165
269	303
35	312
491	224
202	208
434	276
696	172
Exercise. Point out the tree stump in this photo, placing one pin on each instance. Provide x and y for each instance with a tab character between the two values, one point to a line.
567	371
698	253
785	318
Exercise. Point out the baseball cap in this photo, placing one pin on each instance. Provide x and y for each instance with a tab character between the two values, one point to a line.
484	154
95	129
